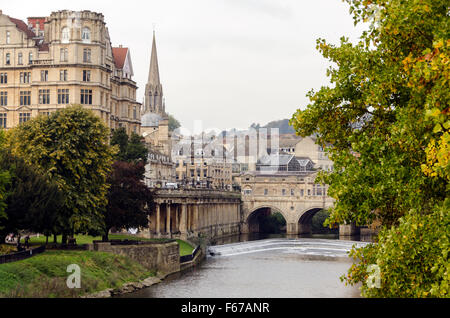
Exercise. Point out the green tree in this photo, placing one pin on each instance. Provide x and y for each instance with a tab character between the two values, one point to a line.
131	148
71	146
4	182
129	199
384	123
173	123
33	201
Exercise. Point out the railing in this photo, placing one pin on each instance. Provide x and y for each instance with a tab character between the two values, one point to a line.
21	255
188	258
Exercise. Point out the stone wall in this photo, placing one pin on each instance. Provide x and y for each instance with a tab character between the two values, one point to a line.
161	257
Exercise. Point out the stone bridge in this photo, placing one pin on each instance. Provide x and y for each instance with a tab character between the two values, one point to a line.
293	194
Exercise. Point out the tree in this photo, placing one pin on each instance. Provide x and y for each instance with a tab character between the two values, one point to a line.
384	123
173	123
129	199
4	182
131	148
33	201
71	146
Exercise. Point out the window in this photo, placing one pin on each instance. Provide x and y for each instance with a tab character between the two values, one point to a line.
24	117
86	35
86	96
3	78
87	55
44	76
309	191
247	191
25	77
283	192
44	96
63	96
292	192
63	75
3	99
2	120
30	58
63	54
302	192
134	112
8	59
65	35
20	59
8	37
86	76
266	192
25	98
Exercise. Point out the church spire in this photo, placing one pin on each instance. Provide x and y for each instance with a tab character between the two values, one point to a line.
153	89
153	75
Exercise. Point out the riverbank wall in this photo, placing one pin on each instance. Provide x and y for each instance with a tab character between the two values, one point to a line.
160	257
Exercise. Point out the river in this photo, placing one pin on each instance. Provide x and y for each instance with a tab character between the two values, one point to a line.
274	267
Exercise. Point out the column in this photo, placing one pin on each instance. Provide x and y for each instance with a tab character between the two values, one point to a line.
183	227
195	221
158	220
168	220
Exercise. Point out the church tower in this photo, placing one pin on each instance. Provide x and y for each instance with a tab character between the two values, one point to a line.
154	100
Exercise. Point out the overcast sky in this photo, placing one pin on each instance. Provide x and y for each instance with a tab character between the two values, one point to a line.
228	63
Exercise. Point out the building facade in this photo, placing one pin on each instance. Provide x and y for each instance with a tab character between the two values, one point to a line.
159	169
201	164
63	59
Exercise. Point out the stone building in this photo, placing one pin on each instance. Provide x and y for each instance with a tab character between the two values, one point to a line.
65	58
159	170
307	147
202	164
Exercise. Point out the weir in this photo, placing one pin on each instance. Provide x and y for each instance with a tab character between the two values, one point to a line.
316	247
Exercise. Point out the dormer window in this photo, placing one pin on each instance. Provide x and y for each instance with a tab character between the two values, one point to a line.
86	35
65	35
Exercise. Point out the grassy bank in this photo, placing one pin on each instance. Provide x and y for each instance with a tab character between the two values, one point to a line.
185	248
45	275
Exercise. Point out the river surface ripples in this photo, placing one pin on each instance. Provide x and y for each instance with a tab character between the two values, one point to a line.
271	268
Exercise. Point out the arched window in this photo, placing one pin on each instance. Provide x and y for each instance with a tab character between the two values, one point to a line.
86	35
65	35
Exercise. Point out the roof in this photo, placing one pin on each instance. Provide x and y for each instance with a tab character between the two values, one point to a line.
22	26
120	55
289	142
275	160
303	161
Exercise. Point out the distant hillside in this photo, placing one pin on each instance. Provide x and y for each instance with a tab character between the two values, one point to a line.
282	125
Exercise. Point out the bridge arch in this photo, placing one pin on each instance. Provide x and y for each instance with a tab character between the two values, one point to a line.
305	219
252	219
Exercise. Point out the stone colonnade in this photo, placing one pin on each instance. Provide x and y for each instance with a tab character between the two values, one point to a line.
188	213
